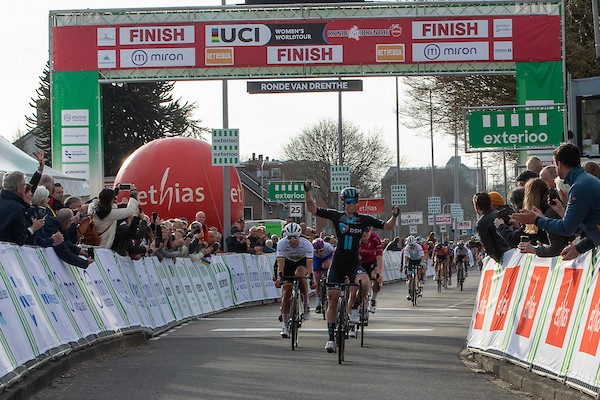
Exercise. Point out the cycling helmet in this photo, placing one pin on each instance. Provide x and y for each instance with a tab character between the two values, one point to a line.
318	244
411	240
349	192
461	245
438	246
292	229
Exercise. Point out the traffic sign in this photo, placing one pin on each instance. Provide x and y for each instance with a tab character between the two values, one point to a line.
440	219
463	225
398	195
296	209
340	177
286	191
225	147
412	229
434	205
455	208
411	218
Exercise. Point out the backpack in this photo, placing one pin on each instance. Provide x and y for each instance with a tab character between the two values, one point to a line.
87	233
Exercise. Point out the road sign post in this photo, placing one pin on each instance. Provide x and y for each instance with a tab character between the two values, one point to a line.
340	177
398	195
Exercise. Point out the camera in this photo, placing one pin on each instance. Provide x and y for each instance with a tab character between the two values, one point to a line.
525	239
90	252
216	246
125	186
39	213
552	196
504	214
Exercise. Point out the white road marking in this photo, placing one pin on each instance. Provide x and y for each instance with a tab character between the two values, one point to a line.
319	330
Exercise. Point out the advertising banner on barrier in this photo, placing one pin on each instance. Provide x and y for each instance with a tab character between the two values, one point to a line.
211	287
222	278
162	271
55	310
199	286
565	299
119	285
106	259
38	328
255	283
584	364
166	312
177	285
187	286
239	278
135	289
528	307
265	266
482	306
152	302
16	341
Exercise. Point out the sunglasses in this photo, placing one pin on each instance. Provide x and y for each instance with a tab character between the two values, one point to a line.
351	200
294	237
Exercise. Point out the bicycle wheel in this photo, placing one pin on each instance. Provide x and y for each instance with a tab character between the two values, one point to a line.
460	277
364	318
414	289
294	319
439	279
340	334
324	300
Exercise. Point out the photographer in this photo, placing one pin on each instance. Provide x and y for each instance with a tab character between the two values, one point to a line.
37	212
237	242
106	214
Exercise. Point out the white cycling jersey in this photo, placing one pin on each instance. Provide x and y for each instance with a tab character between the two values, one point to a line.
414	253
303	250
325	251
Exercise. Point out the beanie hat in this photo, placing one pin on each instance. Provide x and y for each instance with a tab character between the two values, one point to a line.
496	199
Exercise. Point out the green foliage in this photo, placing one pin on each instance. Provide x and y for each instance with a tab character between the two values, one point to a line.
316	149
40	123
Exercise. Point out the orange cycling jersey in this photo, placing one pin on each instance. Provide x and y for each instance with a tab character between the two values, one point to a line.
440	252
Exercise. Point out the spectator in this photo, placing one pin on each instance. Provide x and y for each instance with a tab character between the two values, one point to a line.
524	176
127	232
106	214
583	206
394	245
550	244
57	197
237	242
66	251
534	164
269	246
548	174
47	181
39	210
592	168
497	203
15	227
494	245
201	219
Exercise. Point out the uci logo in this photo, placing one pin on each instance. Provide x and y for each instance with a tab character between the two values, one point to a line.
237	35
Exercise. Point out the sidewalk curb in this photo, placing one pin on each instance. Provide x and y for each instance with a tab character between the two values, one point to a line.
524	380
43	376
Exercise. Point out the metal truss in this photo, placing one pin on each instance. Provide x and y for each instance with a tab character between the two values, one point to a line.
303	11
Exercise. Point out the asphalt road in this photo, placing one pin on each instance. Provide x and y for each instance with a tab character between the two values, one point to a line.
410	353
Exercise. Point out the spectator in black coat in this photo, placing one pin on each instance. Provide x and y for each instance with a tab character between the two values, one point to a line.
494	245
15	225
237	242
66	251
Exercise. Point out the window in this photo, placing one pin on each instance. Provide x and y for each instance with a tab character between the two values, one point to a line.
588	125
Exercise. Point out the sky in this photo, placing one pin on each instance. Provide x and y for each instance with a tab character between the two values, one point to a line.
266	121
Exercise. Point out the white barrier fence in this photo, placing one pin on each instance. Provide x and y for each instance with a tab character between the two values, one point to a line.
48	308
541	313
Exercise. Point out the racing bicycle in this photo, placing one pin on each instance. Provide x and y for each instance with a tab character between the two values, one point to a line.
295	321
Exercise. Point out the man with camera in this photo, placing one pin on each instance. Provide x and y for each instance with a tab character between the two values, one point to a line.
237	242
67	250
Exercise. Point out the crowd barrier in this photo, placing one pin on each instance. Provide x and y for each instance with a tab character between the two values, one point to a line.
542	314
49	309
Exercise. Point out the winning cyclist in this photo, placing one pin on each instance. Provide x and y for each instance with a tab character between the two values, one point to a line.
349	227
370	251
440	260
414	257
323	253
294	258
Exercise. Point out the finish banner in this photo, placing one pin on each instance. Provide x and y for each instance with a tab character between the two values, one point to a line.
359	41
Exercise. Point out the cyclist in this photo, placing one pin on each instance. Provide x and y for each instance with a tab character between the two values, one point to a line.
422	271
440	259
323	253
370	251
294	258
414	257
349	227
461	257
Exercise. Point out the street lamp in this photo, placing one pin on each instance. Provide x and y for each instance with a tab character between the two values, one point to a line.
262	188
432	159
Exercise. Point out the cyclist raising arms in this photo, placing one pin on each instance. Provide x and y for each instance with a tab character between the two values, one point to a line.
294	258
323	253
370	251
349	227
414	257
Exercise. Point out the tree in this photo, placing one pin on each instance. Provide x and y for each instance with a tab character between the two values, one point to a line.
133	114
316	149
40	123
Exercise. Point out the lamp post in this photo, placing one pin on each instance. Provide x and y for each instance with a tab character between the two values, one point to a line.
397	228
432	158
262	188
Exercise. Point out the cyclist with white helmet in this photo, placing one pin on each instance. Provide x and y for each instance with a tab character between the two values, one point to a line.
349	226
294	258
323	253
371	259
414	257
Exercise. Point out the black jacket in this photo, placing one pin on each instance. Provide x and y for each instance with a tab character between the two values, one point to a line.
494	245
66	251
13	218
